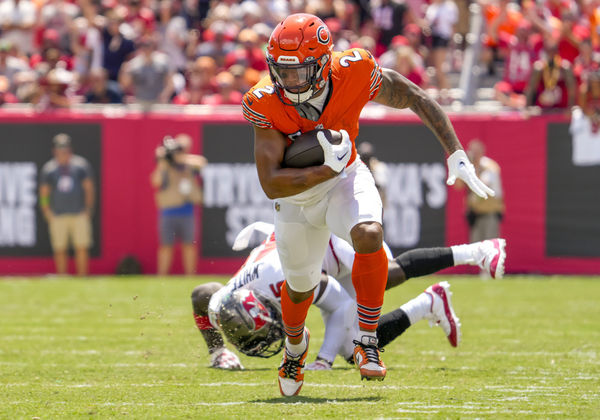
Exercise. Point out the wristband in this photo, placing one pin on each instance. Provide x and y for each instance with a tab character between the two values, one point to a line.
44	201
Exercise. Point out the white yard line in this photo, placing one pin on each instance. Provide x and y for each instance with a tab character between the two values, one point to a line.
218	384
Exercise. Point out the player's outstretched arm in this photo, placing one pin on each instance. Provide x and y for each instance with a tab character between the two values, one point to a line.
221	358
277	182
397	91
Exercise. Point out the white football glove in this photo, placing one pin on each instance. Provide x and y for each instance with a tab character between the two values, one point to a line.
459	166
225	359
336	155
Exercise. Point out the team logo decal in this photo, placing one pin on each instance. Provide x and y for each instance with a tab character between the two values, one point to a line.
323	35
256	310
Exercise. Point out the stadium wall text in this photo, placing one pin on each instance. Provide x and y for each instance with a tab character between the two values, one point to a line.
551	223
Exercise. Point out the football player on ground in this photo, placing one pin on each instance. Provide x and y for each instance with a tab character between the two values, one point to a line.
247	309
311	87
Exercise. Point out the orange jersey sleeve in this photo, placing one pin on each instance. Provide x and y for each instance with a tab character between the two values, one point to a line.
355	80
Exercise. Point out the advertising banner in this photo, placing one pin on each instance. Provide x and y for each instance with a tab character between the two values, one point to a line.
233	197
550	181
415	186
24	150
573	198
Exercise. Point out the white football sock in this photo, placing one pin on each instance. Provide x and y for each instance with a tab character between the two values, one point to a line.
418	308
296	350
464	254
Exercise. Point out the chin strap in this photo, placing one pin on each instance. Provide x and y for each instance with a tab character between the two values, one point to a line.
299	98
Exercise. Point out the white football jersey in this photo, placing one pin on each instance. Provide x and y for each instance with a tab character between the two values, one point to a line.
262	271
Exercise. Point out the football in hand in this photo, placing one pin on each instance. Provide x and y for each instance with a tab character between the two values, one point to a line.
306	150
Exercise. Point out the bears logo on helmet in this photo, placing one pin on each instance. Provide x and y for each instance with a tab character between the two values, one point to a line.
299	57
323	35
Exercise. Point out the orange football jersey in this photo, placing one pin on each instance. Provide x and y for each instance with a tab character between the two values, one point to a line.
355	80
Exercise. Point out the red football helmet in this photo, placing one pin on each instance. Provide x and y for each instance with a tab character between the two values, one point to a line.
299	57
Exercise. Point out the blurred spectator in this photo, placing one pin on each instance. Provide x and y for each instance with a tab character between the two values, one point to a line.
140	18
51	53
217	44
249	54
101	90
591	16
587	62
9	65
240	79
585	123
200	82
264	33
175	179
484	215
148	75
57	16
17	19
390	16
81	36
589	100
54	92
67	199
571	35
441	16
552	84
6	97
340	41
116	48
326	9
173	34
249	13
503	17
86	46
411	37
406	65
25	85
273	12
227	95
517	69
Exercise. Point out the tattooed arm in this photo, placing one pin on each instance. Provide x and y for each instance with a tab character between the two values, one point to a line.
397	91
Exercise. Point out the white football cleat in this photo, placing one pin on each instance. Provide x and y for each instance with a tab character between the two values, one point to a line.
491	255
319	364
291	371
442	313
367	358
225	359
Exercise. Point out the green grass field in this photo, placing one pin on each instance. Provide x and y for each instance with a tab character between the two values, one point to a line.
128	348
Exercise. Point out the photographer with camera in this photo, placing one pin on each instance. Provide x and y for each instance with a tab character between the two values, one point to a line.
176	179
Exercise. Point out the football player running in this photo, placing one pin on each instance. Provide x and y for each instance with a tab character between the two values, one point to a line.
247	310
310	87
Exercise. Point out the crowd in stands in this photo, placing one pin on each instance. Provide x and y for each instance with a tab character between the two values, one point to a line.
56	53
549	49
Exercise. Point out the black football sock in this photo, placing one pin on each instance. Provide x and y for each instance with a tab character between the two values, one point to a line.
424	261
391	326
213	340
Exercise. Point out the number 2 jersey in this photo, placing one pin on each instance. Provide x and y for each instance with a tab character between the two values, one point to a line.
355	80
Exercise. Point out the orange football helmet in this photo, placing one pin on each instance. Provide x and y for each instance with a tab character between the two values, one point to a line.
299	57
